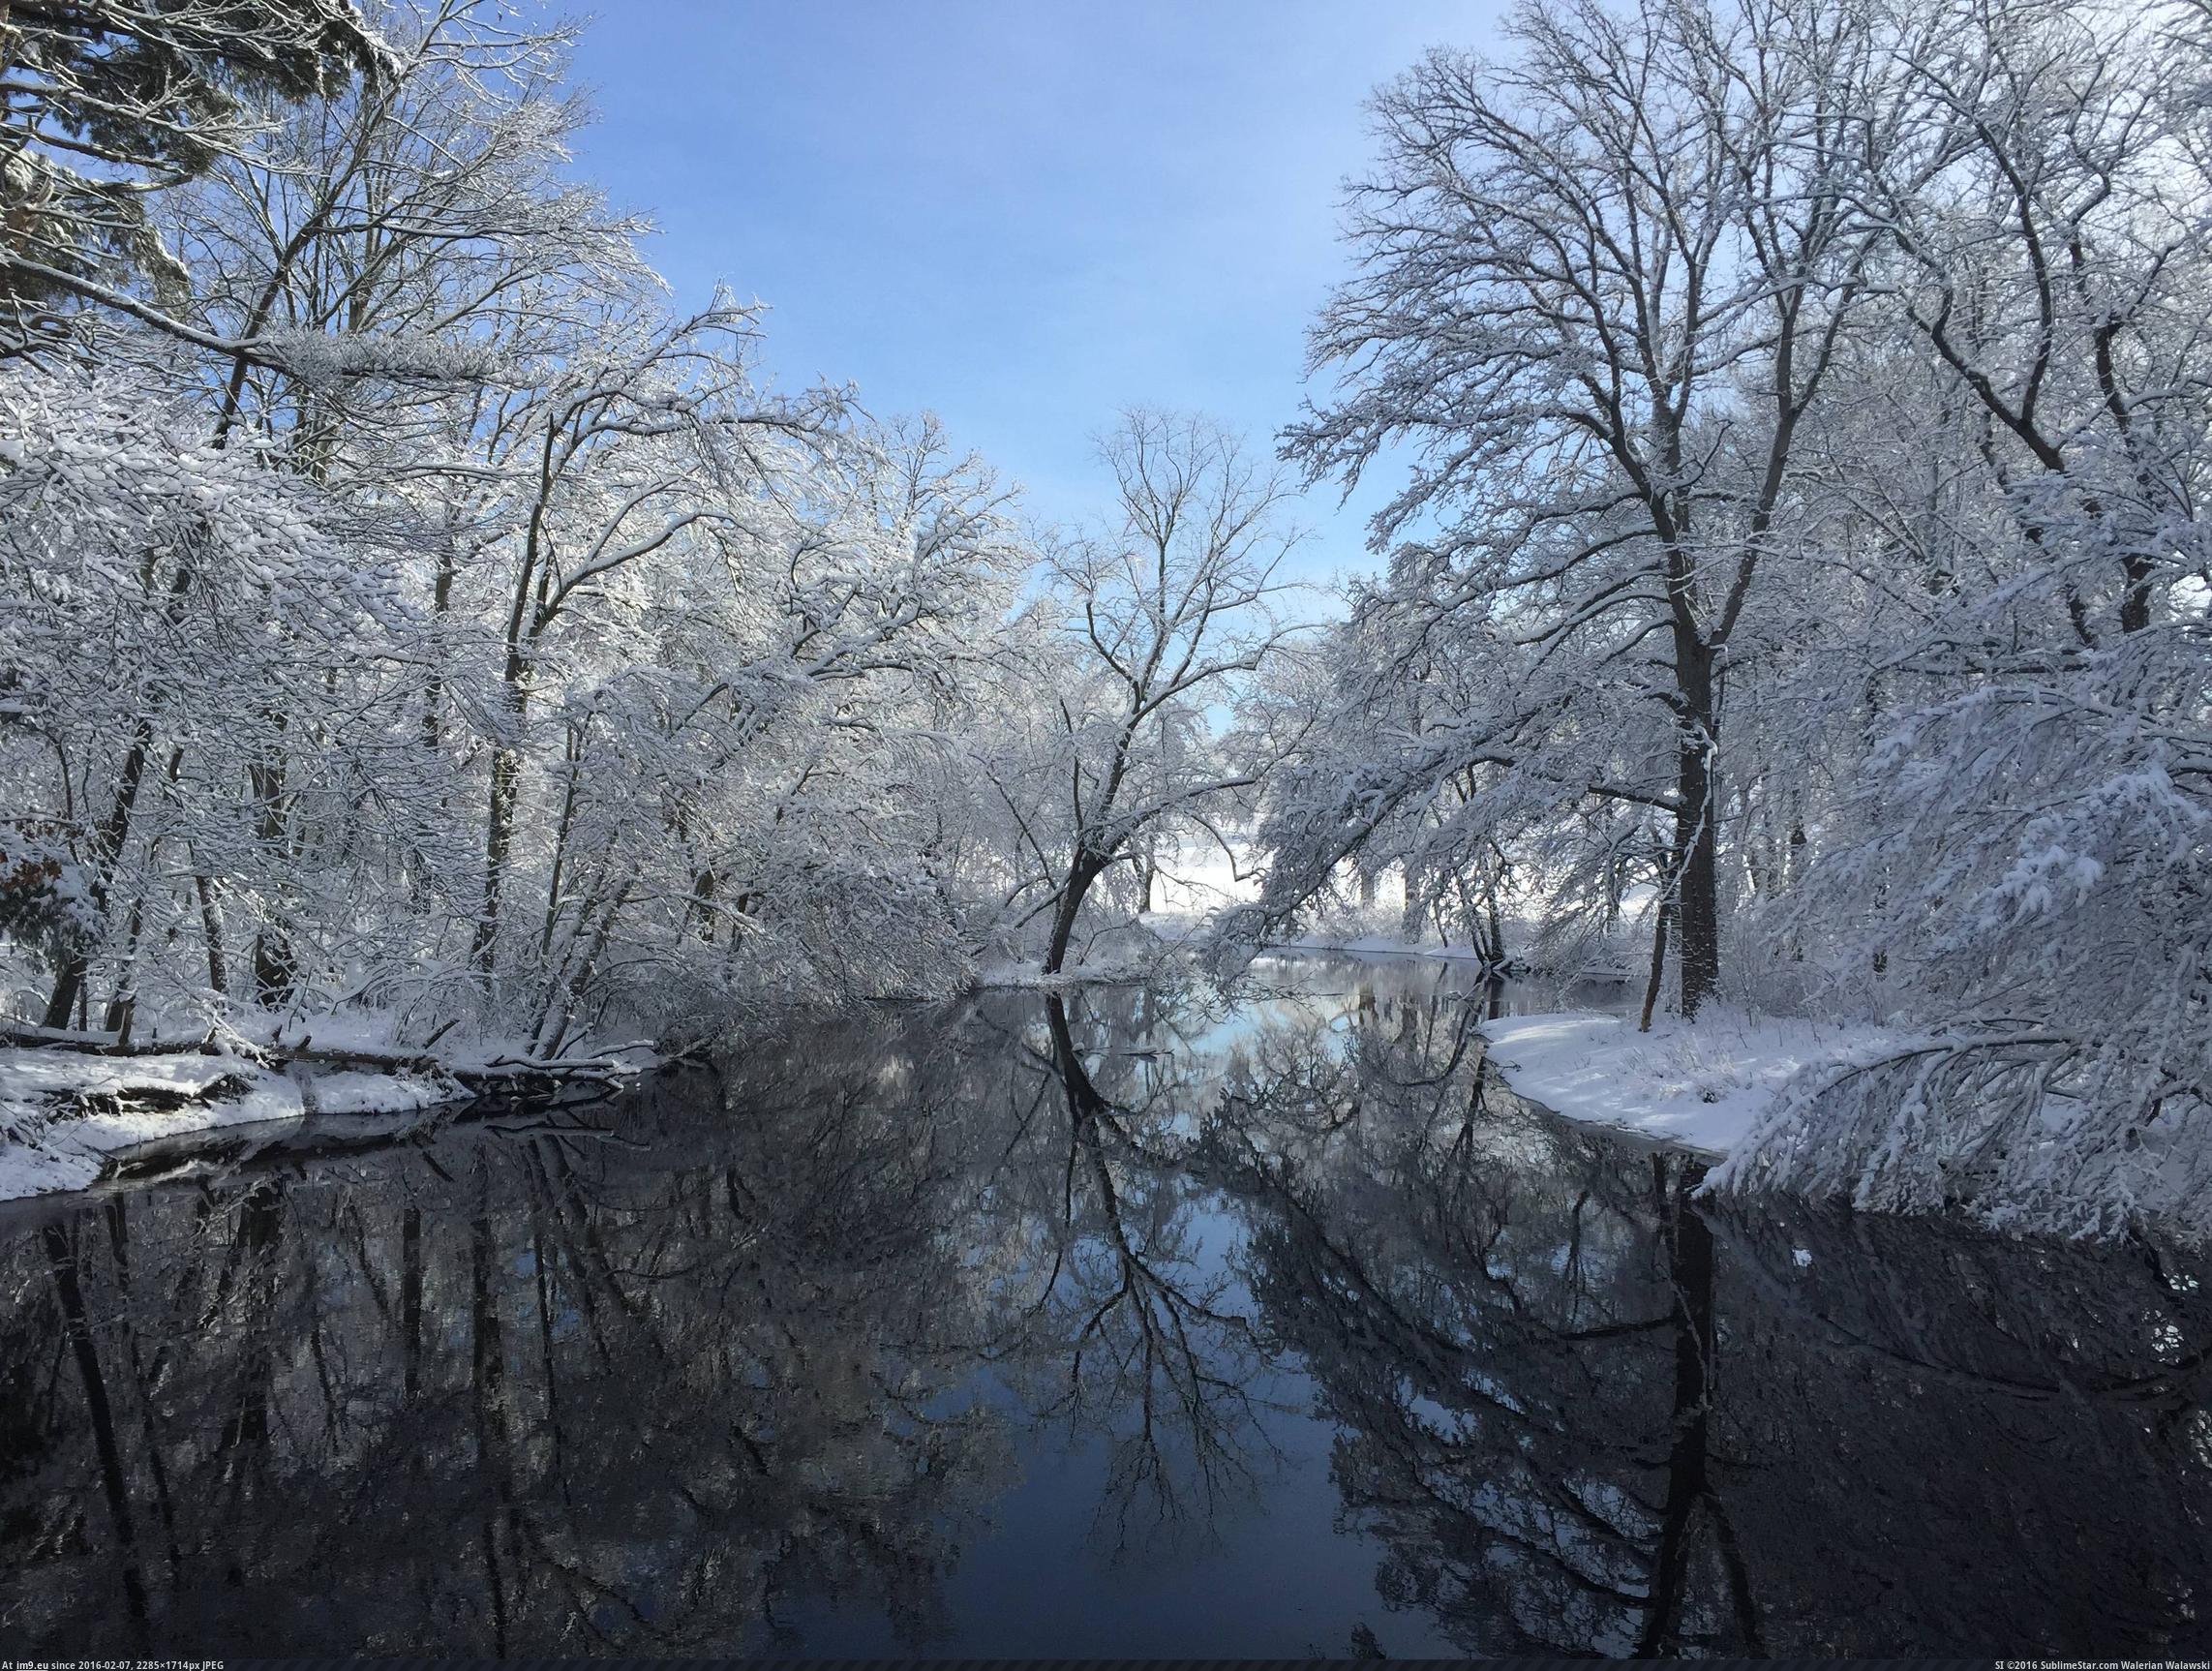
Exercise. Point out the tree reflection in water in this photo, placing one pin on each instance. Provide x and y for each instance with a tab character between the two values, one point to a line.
521	1389
1585	1416
1142	1339
1511	1323
714	1366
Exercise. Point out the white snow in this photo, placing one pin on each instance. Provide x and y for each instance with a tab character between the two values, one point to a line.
1701	1083
47	1143
360	1093
266	1097
47	1074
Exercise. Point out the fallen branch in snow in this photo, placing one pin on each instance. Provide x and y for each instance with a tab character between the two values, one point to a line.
353	1056
511	1075
24	1034
527	1076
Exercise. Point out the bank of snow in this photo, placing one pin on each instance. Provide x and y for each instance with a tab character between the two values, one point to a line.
1704	1083
62	1112
66	1113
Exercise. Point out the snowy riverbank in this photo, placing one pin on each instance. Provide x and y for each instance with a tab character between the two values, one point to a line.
1704	1086
67	1114
1771	1097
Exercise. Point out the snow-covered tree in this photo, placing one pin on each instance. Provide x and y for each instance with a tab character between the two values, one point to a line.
1807	409
1602	281
2026	844
491	642
106	104
1156	622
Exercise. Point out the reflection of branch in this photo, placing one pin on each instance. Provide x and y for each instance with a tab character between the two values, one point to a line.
61	1261
1177	1332
581	1583
2159	1386
1445	1287
774	1407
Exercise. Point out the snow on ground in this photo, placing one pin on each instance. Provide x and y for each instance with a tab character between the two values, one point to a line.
1701	1083
64	1112
359	1093
47	1074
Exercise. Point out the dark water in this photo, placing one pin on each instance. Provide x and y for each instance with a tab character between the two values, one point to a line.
1125	1327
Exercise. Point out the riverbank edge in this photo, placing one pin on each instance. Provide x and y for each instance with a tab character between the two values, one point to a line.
1703	1084
1744	1088
72	1111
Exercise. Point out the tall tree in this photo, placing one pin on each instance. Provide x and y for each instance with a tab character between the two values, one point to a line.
1164	615
1603	280
104	104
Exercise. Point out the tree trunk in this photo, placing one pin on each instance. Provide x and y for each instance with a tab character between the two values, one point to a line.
274	966
1409	908
2136	600
211	929
1697	883
107	845
61	1003
499	836
1665	914
1083	870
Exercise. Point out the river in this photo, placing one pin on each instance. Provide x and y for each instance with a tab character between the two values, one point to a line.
1137	1323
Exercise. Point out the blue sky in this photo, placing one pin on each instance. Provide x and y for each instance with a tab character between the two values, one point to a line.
1020	216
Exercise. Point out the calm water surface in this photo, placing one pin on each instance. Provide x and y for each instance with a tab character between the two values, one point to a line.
1133	1325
